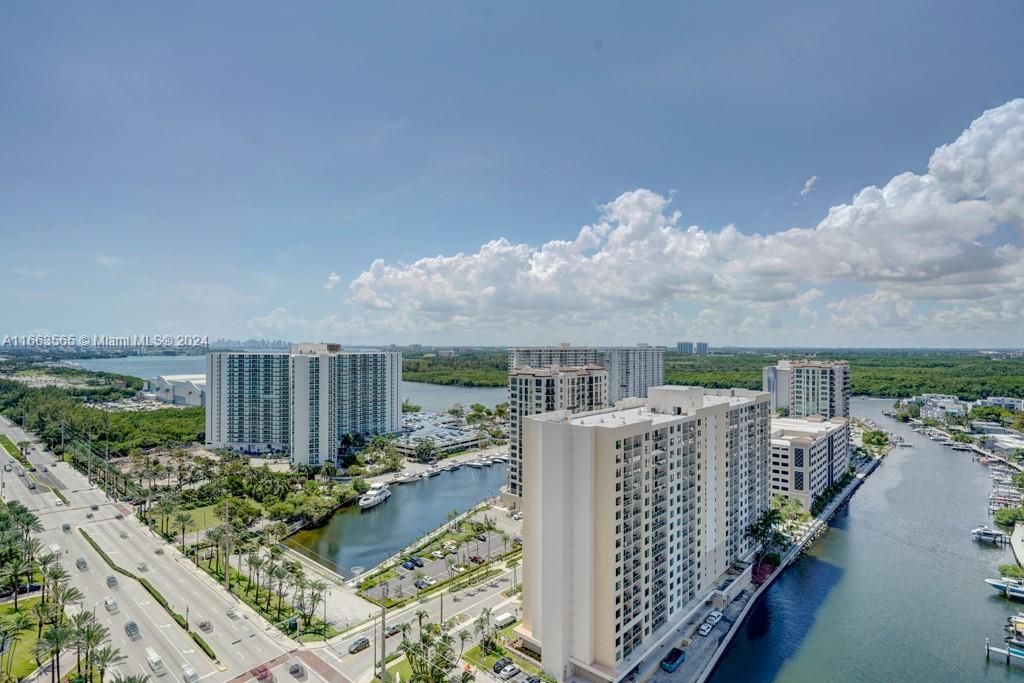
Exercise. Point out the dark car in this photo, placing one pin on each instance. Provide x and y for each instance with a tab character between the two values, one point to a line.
673	659
393	630
481	537
296	669
421	584
476	559
80	563
358	645
501	664
416	561
94	507
66	527
131	629
408	564
111	581
205	626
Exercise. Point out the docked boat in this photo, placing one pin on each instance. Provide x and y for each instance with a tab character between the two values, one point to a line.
475	463
905	444
406	477
1004	582
432	472
377	494
984	533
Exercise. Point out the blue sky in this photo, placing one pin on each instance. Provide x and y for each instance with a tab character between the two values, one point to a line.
236	169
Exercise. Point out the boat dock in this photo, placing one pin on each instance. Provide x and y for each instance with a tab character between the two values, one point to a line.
1012	655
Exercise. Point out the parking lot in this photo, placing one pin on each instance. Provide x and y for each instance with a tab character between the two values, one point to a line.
700	648
436	569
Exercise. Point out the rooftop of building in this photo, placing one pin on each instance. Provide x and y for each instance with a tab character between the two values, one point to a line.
815	425
810	363
195	379
553	370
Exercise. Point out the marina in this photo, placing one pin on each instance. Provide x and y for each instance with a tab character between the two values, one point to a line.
845	606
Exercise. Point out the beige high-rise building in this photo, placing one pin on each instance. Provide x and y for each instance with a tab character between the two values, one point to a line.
633	515
543	390
801	388
808	455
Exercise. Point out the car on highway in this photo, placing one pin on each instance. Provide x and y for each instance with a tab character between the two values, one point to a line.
393	630
111	581
32	485
358	645
188	674
110	604
81	564
31	469
159	551
500	664
142	567
476	559
205	626
156	664
296	669
131	629
705	629
66	527
94	507
673	660
7	468
262	674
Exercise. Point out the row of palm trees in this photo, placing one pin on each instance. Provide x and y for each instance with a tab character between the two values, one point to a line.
22	562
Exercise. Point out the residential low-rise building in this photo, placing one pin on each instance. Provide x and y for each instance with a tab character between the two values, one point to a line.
808	455
1006	402
633	516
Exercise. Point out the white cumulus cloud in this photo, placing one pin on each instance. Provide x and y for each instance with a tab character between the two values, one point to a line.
809	185
921	236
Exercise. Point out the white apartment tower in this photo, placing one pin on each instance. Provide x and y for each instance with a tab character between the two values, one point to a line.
337	392
541	390
247	401
301	402
563	356
632	370
808	455
804	388
632	516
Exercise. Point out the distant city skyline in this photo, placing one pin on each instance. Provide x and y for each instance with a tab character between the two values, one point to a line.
759	176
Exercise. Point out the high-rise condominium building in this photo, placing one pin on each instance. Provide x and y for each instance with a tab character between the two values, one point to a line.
248	401
808	455
302	402
629	373
684	347
633	514
335	393
632	370
540	390
702	348
803	388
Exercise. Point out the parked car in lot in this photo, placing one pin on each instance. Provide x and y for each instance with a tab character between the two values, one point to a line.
482	538
476	559
408	564
705	629
437	554
713	618
673	660
358	645
131	629
418	561
501	664
508	672
421	584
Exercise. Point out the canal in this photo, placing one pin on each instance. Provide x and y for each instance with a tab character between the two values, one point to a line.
354	538
895	591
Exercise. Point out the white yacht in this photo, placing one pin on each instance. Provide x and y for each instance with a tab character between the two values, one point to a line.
377	494
984	533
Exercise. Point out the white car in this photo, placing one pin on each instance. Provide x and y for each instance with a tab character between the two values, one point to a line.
508	672
438	554
714	618
705	629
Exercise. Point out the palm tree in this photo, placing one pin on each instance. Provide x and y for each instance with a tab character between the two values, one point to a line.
106	657
41	611
420	616
19	623
54	641
12	571
78	623
482	627
256	563
183	520
132	678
